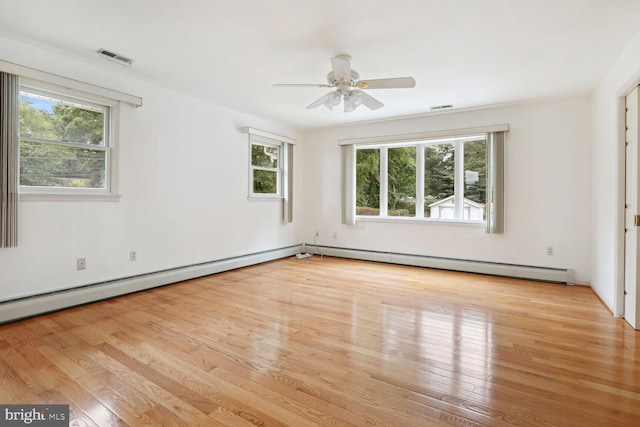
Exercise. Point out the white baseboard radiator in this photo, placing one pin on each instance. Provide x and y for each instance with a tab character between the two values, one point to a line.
38	304
547	274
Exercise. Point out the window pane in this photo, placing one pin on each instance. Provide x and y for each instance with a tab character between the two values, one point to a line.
265	182
439	174
475	179
368	182
52	165
265	156
57	120
402	181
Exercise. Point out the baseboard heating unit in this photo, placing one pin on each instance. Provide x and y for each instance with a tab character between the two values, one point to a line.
33	305
38	304
547	274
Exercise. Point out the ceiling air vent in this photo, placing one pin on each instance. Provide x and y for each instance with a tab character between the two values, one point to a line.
441	108
114	57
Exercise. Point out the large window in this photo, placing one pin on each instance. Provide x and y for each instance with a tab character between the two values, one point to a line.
452	175
65	142
432	179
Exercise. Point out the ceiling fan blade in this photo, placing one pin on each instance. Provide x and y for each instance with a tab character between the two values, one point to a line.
341	66
392	83
369	101
323	85
320	101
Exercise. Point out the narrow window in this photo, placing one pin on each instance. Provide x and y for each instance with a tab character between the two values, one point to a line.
368	182
266	169
401	182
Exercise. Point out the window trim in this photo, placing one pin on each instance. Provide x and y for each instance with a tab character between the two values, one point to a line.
421	145
495	137
266	142
111	116
287	172
53	80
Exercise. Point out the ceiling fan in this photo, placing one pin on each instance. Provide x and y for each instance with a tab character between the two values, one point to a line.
348	86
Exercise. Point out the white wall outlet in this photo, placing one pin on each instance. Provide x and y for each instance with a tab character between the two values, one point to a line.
133	255
82	263
317	233
549	250
335	234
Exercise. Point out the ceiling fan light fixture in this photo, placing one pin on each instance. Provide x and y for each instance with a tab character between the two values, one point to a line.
343	78
333	99
352	99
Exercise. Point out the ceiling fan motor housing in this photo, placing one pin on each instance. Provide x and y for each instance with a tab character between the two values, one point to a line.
354	76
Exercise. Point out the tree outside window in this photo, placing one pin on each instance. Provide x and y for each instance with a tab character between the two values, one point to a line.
62	142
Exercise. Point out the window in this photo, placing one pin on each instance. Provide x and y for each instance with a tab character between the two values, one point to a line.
271	168
265	169
442	179
433	176
66	143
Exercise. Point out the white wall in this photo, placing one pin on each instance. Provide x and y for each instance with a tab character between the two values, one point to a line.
608	176
183	179
548	202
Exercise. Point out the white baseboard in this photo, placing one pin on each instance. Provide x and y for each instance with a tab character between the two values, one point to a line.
560	275
30	306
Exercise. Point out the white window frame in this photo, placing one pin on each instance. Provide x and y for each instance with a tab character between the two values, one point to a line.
494	213
266	142
458	144
111	118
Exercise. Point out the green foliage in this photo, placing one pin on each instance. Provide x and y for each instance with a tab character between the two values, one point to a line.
439	177
364	210
475	160
402	177
439	171
78	125
52	164
36	122
265	182
264	156
59	166
368	178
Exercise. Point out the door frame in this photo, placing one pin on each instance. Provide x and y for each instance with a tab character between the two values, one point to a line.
618	300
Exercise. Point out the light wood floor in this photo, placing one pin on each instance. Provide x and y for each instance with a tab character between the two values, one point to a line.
332	342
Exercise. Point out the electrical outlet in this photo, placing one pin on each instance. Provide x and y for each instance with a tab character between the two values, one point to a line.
82	263
549	250
317	233
335	234
133	255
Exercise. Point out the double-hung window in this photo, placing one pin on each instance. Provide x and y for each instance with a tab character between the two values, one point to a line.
432	177
271	168
266	167
66	142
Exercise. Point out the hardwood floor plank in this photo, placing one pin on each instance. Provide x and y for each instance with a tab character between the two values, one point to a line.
332	342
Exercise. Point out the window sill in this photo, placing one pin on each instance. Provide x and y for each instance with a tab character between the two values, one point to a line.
62	196
265	198
407	220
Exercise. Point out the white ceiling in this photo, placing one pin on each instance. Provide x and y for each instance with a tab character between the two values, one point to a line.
469	53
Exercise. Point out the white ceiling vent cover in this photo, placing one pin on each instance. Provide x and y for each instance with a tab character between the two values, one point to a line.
442	107
114	57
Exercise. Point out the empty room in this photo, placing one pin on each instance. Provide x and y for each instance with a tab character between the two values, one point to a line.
331	213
